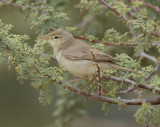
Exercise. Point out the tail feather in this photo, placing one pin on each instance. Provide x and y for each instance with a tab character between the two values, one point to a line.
125	69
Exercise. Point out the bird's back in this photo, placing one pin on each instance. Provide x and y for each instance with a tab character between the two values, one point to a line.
83	51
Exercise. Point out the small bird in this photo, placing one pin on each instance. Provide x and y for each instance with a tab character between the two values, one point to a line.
78	57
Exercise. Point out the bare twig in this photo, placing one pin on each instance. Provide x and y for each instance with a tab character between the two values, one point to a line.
153	72
115	11
131	88
105	43
149	5
152	58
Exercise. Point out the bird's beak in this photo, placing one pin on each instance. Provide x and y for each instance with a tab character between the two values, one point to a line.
44	38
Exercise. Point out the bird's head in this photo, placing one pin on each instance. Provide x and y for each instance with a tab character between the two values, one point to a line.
59	38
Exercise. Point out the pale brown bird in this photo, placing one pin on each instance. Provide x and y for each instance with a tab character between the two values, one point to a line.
78	57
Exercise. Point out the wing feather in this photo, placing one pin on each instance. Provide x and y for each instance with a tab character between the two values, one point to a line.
83	51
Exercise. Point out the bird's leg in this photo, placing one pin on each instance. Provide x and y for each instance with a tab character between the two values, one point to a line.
99	81
99	76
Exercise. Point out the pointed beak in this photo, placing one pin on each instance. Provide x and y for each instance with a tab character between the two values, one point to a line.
44	38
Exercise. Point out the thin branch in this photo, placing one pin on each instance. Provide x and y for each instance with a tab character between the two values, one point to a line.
153	72
105	43
149	5
152	58
154	33
131	88
115	11
111	100
131	82
122	17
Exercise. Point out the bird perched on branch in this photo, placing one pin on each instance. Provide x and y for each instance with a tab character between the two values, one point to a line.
78	57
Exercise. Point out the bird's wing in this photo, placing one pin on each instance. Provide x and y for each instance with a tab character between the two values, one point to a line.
82	51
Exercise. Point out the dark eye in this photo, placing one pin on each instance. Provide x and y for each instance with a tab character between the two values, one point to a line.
56	37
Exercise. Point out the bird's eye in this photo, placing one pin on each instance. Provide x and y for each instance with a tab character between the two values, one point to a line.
56	37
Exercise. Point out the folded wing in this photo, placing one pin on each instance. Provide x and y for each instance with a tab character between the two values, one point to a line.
83	51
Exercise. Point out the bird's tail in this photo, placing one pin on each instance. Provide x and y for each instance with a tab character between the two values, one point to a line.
125	69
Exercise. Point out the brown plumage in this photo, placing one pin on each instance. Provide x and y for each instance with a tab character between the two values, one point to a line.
77	56
83	51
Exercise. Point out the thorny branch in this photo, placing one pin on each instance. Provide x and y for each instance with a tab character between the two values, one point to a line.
111	100
156	34
104	98
115	11
108	99
146	79
131	82
149	5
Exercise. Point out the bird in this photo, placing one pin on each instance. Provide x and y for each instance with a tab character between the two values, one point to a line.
79	58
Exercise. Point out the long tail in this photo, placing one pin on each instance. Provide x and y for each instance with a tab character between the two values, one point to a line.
125	69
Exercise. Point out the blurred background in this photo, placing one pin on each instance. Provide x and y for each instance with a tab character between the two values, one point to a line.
19	105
